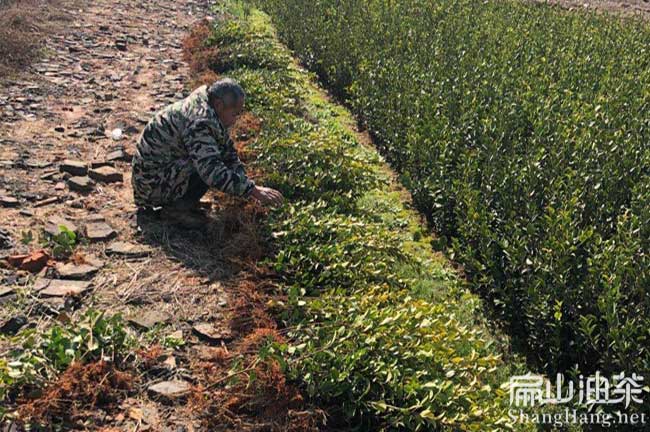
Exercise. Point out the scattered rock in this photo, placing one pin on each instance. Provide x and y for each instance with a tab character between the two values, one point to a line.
208	353
105	174
12	325
80	184
209	333
99	231
120	44
4	290
60	287
95	217
170	362
76	271
149	319
46	201
33	262
8	201
48	175
170	389
178	335
116	134
128	249
6	241
117	154
54	224
76	168
101	163
131	130
93	260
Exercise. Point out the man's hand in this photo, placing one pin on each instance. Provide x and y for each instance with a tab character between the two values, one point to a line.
267	196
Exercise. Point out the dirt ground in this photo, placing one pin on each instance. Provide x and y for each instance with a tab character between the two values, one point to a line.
105	70
622	7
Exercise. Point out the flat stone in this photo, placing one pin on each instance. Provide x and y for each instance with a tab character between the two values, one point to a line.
149	319
170	362
128	249
170	389
101	163
105	174
8	201
117	154
178	334
54	223
49	175
46	201
80	184
99	231
76	168
207	353
12	325
76	271
210	333
4	290
37	164
33	262
60	287
6	242
93	260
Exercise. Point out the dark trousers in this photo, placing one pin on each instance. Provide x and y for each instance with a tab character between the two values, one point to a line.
195	191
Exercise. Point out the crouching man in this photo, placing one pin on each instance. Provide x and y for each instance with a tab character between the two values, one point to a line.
185	149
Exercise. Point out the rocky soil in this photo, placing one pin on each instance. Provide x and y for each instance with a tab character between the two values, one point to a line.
68	127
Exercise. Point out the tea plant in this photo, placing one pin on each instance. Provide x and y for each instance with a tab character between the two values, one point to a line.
63	243
377	325
40	356
522	132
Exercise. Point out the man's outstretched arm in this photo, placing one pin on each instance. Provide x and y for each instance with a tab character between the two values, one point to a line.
206	146
217	164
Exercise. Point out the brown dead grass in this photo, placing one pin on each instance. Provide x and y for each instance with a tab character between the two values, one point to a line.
198	55
80	388
23	26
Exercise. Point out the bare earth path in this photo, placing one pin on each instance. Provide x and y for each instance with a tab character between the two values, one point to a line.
87	100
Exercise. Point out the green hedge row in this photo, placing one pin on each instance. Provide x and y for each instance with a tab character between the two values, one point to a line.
524	135
380	330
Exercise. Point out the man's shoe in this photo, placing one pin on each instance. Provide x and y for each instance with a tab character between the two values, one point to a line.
185	218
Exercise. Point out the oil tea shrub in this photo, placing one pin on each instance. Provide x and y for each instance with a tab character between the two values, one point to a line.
524	135
378	329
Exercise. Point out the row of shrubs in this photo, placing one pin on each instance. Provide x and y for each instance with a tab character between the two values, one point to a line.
522	132
381	331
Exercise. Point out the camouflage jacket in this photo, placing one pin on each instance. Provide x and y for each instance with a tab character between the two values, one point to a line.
182	139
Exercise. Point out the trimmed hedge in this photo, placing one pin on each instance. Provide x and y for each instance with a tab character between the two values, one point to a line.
522	131
380	328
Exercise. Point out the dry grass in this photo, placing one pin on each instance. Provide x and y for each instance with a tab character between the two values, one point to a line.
23	26
81	388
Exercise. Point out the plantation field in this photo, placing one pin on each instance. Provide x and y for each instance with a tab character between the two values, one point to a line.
522	132
380	332
518	132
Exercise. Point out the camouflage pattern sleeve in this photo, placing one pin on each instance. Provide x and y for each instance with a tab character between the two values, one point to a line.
215	158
